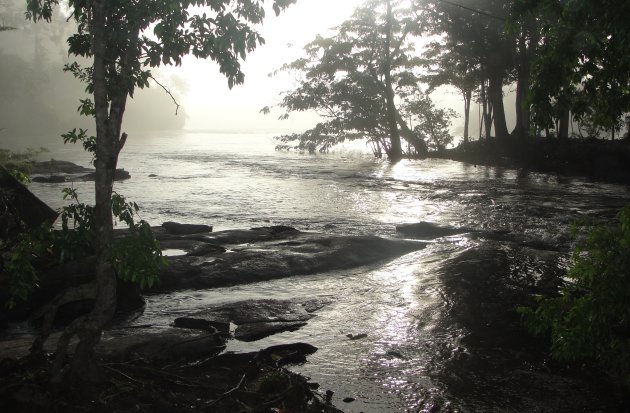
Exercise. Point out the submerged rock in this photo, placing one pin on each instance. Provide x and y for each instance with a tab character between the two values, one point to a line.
428	230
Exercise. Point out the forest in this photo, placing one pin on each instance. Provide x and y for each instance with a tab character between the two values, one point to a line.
376	78
565	65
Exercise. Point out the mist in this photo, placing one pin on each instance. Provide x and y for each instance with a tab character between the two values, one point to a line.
40	99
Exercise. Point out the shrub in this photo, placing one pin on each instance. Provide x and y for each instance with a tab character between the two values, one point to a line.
590	318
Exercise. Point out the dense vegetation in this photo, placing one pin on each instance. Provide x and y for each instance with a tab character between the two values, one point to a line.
590	318
566	61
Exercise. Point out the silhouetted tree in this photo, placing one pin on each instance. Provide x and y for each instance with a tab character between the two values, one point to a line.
360	80
475	35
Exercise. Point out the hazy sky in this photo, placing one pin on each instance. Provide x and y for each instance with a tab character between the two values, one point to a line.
208	102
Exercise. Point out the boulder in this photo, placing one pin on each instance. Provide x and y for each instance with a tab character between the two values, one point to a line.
257	331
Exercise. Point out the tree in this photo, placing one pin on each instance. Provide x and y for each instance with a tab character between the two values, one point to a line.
450	63
124	40
359	80
583	63
476	36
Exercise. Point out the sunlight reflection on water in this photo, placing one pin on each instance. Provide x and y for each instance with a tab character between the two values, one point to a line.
404	306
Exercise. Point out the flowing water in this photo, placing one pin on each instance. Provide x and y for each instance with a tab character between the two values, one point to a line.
440	325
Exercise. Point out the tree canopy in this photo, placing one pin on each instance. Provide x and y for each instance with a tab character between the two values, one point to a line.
365	83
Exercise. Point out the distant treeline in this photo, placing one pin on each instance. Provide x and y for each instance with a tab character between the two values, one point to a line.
568	63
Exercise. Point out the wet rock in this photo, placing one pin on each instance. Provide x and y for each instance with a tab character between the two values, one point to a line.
348	399
263	254
285	354
52	179
185	229
63	171
57	167
428	230
163	346
200	324
258	331
257	319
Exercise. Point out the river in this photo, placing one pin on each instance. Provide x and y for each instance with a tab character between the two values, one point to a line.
441	333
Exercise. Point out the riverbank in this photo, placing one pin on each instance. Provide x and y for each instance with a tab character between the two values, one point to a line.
185	366
159	382
607	161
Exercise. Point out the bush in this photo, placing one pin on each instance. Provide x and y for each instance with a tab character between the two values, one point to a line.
590	318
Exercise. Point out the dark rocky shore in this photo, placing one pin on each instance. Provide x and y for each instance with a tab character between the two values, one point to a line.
54	171
607	161
185	368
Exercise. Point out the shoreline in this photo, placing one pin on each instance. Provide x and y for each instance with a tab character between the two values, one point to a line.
603	161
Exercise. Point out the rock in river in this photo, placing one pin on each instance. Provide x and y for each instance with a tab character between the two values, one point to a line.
262	254
255	319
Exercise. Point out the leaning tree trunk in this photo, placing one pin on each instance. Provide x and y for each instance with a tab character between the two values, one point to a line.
418	143
395	153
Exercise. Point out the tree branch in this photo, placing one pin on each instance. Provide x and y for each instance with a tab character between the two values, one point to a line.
168	92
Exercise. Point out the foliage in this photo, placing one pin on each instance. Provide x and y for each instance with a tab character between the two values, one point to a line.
584	57
136	256
590	319
431	124
20	264
345	78
18	163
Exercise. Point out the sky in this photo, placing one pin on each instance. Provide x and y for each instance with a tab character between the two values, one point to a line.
39	99
208	102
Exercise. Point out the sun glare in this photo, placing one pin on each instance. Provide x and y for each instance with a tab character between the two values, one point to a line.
208	102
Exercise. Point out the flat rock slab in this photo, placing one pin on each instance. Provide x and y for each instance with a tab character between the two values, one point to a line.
263	254
256	319
185	229
172	344
54	171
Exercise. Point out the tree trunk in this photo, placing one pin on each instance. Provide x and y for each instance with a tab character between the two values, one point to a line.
487	110
395	153
563	124
418	144
521	129
467	99
495	92
84	367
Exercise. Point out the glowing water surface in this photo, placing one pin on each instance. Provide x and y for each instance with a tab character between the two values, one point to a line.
430	345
